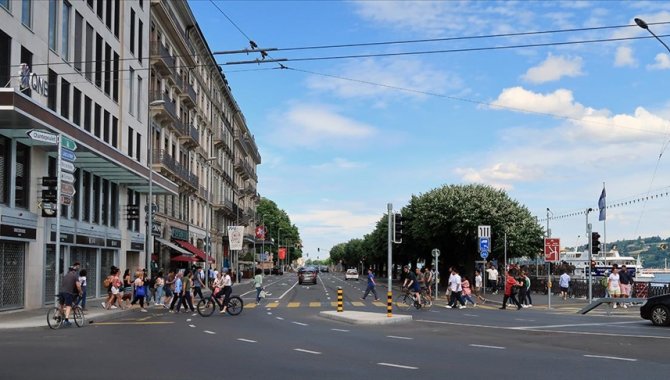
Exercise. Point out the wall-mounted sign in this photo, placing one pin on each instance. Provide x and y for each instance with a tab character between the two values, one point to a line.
29	79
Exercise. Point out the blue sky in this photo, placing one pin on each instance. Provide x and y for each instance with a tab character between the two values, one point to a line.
548	124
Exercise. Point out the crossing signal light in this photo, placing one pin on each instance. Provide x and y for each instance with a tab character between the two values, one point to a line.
595	243
397	228
593	264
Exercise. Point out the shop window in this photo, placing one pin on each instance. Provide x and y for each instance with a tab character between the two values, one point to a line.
21	190
5	165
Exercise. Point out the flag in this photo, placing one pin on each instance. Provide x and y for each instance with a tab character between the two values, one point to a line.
602	205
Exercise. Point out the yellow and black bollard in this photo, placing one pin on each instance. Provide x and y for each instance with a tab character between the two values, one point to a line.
340	299
389	304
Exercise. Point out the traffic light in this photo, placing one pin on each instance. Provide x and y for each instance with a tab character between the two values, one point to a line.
595	243
593	264
397	228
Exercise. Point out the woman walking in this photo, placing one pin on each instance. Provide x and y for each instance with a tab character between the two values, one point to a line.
169	288
139	291
127	289
465	285
159	284
177	295
258	284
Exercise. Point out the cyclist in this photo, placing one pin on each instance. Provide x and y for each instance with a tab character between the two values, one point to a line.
227	289
69	288
412	285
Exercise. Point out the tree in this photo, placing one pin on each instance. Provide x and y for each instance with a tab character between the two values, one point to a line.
278	225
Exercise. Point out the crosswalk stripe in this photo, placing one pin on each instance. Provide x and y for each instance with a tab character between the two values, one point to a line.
356	303
272	305
333	304
377	303
315	304
250	306
293	304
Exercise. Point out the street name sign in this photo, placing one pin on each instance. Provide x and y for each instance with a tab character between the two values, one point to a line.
68	155
65	200
67	177
42	136
67	166
67	189
552	249
68	144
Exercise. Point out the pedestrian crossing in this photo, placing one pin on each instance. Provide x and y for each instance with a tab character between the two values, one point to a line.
311	304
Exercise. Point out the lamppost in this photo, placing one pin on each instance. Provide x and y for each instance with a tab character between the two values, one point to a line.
278	246
208	238
642	24
588	264
150	203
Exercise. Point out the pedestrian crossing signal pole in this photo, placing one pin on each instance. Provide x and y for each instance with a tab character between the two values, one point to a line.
340	301
389	306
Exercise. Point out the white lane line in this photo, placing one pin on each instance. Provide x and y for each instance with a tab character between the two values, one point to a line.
610	357
265	286
485	346
209	332
300	323
280	318
193	315
269	313
340	330
467	315
399	337
573	325
188	320
307	351
191	326
289	289
397	366
246	340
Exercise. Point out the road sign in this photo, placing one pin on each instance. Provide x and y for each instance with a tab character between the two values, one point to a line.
484	244
67	189
484	232
68	144
50	181
68	155
67	166
67	177
436	252
484	254
552	248
49	195
49	210
42	136
65	200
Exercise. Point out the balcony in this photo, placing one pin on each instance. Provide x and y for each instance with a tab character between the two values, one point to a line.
228	178
177	82
166	165
188	95
245	170
204	194
167	110
189	135
160	57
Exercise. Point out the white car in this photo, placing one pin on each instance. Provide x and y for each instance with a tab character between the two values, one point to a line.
352	274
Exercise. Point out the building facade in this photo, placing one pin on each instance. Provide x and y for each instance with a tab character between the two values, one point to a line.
86	71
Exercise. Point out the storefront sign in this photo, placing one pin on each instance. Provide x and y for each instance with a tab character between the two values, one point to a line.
179	234
136	246
7	230
90	240
31	80
64	238
114	243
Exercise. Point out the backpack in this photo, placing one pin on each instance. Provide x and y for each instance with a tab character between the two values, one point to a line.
107	282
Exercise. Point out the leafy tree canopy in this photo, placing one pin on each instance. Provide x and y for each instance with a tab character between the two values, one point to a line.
280	230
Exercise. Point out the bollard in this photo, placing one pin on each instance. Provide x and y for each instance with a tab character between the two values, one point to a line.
389	304
340	302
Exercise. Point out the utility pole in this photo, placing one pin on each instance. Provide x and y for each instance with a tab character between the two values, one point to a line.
588	264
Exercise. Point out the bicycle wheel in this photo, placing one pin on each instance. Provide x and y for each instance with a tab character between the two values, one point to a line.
235	305
403	302
426	303
78	315
206	307
54	318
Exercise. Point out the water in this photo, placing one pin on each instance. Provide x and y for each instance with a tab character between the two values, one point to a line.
661	277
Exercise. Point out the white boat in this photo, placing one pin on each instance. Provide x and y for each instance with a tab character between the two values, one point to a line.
604	263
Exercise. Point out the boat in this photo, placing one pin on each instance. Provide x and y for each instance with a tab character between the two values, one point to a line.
603	264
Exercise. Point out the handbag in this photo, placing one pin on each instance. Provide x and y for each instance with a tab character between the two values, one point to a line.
139	291
262	294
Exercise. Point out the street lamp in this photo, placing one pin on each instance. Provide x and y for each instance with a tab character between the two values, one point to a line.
150	209
208	238
642	24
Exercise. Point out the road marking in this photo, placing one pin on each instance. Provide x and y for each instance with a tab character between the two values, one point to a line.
293	304
573	325
470	315
397	366
340	330
209	332
300	323
130	323
522	320
610	357
188	320
246	340
289	289
315	304
399	337
307	351
357	303
378	303
250	305
272	305
280	318
191	325
334	304
193	315
485	346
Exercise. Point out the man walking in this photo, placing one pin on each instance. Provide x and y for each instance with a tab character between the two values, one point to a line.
456	289
371	285
564	283
199	283
492	278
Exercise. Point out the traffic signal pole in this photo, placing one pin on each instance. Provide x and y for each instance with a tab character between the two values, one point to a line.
588	233
390	245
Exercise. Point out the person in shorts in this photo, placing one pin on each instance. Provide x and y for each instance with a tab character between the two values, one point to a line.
614	284
625	283
564	284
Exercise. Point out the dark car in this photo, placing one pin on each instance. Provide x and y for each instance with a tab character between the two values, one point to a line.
277	271
307	274
657	310
324	269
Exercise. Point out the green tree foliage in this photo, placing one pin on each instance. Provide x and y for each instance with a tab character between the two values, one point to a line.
278	226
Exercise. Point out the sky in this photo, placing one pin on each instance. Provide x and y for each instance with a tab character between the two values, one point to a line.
545	118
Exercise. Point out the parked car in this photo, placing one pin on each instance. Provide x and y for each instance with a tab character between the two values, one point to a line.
307	274
351	274
325	269
277	271
657	310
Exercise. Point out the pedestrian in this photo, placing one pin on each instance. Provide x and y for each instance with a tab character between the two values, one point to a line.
510	284
169	288
198	283
226	290
478	286
159	284
625	282
258	284
614	284
456	289
492	278
188	287
429	279
112	290
465	285
564	284
127	289
371	286
82	282
178	293
139	291
526	301
521	289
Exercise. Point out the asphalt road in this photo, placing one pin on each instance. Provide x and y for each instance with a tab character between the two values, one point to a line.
285	338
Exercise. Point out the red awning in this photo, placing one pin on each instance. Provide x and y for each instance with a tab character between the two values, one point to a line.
194	250
184	258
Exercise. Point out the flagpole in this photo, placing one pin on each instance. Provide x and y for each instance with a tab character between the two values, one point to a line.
605	226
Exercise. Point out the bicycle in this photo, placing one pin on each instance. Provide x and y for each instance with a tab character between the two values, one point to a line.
56	314
406	300
207	306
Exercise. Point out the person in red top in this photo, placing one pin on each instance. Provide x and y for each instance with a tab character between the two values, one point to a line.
510	283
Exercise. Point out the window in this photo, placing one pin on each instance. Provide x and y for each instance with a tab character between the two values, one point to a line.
27	13
65	31
5	165
88	64
21	190
116	17
4	4
76	199
115	85
90	4
139	98
65	98
105	203
87	113
132	31
96	120
130	142
76	106
53	15
108	68
138	149
52	100
115	132
131	92
96	200
114	206
5	58
99	9
86	189
105	127
98	60
140	28
78	35
108	14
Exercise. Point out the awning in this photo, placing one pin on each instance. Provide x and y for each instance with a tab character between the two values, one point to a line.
174	246
184	258
193	249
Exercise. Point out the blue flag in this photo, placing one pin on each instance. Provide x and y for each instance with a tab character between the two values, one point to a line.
602	205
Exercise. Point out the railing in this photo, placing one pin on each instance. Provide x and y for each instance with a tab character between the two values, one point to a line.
168	105
579	288
157	50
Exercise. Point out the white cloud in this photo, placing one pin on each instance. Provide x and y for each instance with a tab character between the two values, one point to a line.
554	68
624	57
662	62
339	163
314	125
500	174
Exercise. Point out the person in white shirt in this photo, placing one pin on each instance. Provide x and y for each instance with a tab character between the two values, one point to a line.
478	286
492	274
82	281
456	289
227	289
613	285
564	283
